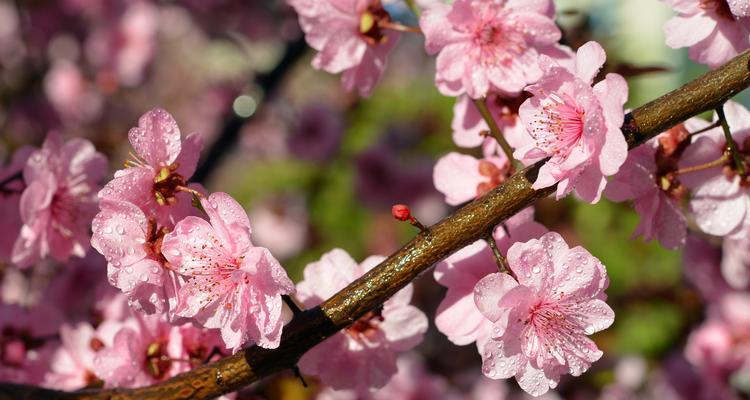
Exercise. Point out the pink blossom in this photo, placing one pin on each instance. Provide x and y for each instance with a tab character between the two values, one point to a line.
363	355
413	381
468	124
132	245
488	45
142	353
575	124
72	364
702	268
462	178
740	8
25	346
232	285
162	164
709	28
10	196
59	200
541	321
457	316
349	37
648	178
70	94
281	225
720	199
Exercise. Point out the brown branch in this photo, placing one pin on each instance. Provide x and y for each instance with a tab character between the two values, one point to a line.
465	226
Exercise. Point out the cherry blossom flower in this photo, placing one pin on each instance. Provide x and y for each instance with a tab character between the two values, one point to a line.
142	353
413	381
468	123
70	94
232	285
10	196
364	355
132	245
457	316
59	200
709	28
648	178
739	8
485	45
25	342
541	321
72	364
462	178
350	38
720	199
575	124
162	164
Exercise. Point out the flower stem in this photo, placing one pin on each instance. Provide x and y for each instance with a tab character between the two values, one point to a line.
708	128
291	304
502	264
715	163
495	131
413	7
731	144
395	26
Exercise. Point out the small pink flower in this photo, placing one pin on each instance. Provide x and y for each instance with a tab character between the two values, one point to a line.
10	196
132	245
468	124
72	364
720	199
59	200
485	45
413	381
363	355
462	178
541	322
648	178
162	163
142	353
232	285
349	38
457	316
710	28
575	124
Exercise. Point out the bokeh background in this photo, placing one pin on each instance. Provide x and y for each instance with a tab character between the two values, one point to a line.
319	168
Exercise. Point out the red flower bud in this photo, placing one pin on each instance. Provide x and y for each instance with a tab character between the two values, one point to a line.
401	212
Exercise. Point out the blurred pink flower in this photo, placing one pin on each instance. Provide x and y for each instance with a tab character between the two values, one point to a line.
10	197
701	266
281	226
25	342
485	45
132	245
232	285
735	260
349	37
468	124
709	28
142	353
541	322
720	199
739	8
59	200
362	356
575	124
648	178
462	178
413	381
457	316
162	164
72	364
70	94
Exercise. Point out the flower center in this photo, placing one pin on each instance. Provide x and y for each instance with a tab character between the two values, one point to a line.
720	7
496	176
154	239
166	183
14	345
157	362
497	40
367	326
671	146
370	23
561	125
549	330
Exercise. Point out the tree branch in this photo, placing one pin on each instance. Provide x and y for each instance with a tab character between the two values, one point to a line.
466	225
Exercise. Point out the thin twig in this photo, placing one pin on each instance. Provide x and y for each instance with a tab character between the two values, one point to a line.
715	163
502	264
495	131
731	144
706	129
291	304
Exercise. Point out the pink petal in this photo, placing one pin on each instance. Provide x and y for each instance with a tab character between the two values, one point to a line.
719	206
489	291
157	138
589	59
189	155
687	31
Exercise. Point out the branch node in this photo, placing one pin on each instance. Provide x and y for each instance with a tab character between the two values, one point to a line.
291	304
